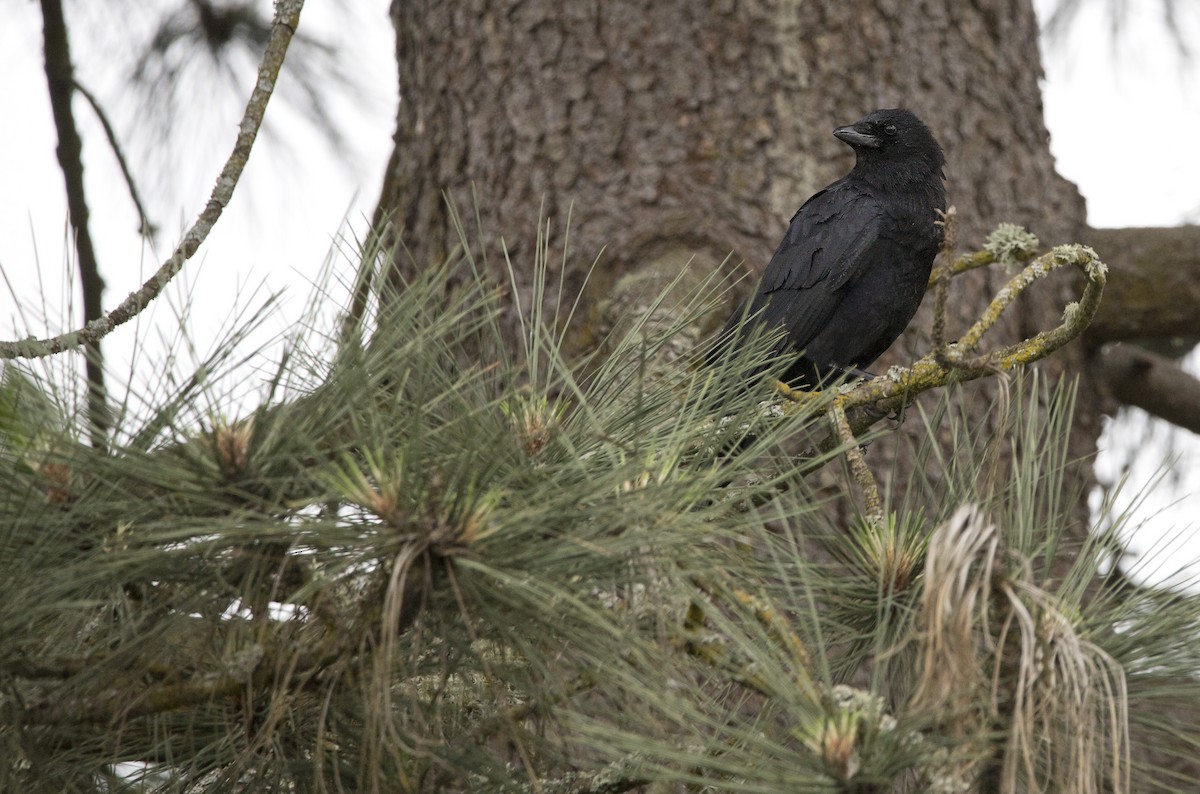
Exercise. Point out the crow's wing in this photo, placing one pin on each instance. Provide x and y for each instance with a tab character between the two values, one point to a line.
826	245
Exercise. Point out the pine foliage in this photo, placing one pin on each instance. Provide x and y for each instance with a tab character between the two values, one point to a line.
432	560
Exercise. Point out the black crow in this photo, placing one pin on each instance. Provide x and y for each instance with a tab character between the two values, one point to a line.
853	266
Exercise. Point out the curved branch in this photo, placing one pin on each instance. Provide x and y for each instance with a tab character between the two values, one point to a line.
863	404
883	395
1010	245
287	17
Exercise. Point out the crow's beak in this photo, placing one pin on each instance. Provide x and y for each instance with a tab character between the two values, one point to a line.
856	137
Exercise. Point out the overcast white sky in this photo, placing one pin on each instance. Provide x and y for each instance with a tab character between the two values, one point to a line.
1122	120
279	228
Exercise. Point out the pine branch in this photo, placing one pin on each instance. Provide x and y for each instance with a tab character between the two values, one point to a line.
279	662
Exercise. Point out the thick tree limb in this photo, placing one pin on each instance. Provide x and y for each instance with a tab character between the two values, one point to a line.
1157	272
287	17
1154	383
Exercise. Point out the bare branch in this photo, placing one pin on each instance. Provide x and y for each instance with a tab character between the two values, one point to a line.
60	80
278	661
148	229
287	17
1154	383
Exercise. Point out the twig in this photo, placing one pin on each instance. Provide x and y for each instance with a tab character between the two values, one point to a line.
858	465
148	229
287	17
942	286
964	264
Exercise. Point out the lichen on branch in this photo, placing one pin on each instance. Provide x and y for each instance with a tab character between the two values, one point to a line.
958	360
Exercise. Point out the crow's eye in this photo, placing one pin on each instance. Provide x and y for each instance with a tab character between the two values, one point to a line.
890	129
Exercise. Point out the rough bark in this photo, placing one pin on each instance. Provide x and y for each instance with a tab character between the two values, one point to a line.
634	113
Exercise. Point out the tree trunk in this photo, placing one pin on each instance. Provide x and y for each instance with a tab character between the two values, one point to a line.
671	131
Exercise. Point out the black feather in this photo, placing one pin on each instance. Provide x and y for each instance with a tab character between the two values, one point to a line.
853	266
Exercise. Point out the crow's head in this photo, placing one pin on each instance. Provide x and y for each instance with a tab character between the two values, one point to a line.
893	136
